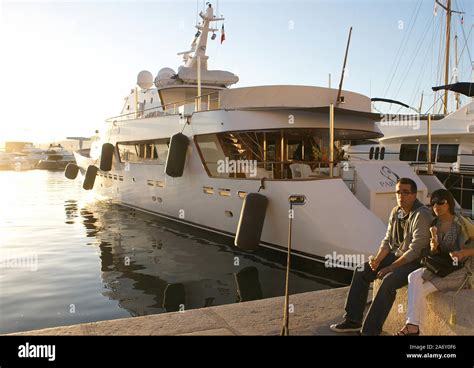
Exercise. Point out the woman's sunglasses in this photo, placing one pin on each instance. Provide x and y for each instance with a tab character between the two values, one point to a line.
440	202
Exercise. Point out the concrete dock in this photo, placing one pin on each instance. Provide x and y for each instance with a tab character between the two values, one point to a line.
312	313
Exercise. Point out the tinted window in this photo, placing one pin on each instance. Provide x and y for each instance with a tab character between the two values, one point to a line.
408	152
156	151
424	153
448	153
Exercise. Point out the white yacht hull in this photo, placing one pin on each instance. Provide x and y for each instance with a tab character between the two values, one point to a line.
333	222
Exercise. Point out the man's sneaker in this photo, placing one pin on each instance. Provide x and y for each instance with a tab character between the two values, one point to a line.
346	326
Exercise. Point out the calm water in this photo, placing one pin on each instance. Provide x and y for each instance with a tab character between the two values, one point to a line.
66	258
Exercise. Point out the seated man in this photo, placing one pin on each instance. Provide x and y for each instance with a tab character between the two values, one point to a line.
406	241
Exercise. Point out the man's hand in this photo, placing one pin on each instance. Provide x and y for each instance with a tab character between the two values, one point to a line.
381	274
374	263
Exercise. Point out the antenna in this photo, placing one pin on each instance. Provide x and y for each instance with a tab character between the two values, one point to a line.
338	101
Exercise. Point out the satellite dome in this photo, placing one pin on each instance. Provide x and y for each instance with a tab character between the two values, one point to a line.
145	79
165	77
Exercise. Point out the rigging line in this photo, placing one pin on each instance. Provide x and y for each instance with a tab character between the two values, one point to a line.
418	46
440	50
440	97
422	72
394	63
409	66
466	41
423	69
403	46
398	111
421	75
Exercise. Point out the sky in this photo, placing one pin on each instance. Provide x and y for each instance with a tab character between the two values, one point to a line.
66	66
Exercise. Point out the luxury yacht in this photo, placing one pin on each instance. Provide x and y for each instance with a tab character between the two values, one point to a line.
452	146
244	161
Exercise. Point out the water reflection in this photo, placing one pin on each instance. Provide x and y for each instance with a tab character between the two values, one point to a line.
248	285
71	211
151	266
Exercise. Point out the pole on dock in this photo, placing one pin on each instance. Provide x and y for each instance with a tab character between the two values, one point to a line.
331	140
429	160
297	200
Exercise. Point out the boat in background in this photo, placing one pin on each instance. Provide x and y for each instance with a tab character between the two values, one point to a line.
56	158
452	148
6	162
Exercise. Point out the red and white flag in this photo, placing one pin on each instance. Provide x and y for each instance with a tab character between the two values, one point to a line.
222	35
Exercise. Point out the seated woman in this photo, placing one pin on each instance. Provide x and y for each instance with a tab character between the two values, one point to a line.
450	236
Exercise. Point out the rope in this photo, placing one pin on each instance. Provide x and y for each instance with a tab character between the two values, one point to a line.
423	70
403	45
418	47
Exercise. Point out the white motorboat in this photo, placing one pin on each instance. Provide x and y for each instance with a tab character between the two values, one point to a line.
56	158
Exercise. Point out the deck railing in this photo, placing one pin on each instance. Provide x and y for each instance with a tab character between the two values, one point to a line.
207	102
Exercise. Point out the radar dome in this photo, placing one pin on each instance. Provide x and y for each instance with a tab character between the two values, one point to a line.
165	77
145	80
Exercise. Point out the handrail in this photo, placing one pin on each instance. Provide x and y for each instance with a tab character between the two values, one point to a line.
164	107
316	166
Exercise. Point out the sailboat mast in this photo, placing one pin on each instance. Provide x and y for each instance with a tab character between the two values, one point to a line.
446	66
456	79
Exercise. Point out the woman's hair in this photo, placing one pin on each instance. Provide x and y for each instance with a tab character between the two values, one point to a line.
443	194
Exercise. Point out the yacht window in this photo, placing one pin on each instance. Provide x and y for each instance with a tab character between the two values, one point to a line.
274	154
448	153
408	152
150	148
161	151
377	153
296	150
141	151
150	151
423	154
128	152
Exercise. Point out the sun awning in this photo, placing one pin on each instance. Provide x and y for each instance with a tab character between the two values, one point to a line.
376	117
465	88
